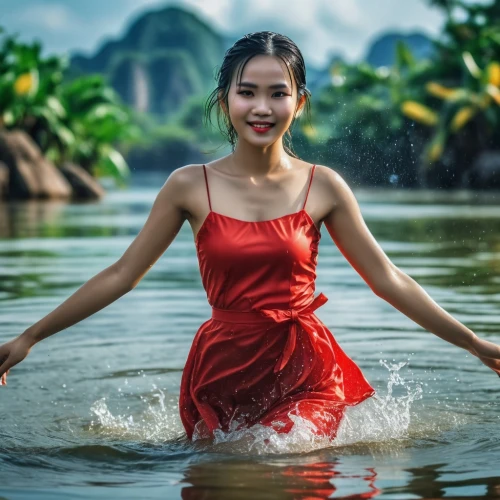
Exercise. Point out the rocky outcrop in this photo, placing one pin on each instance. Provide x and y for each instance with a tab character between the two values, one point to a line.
165	56
31	175
25	173
83	184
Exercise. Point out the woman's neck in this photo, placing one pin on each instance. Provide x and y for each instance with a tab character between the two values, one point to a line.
248	160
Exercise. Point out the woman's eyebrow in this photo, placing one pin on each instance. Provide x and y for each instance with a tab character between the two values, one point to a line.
254	86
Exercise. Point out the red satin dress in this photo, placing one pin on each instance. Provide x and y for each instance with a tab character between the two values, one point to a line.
264	356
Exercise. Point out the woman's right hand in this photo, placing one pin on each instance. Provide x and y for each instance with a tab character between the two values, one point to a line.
487	352
12	353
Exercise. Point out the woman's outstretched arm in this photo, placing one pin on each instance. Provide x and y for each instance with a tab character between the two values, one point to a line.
162	225
348	230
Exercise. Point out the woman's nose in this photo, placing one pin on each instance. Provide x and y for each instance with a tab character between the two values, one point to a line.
261	107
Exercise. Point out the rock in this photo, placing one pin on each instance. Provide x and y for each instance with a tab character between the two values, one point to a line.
83	184
4	180
485	171
31	175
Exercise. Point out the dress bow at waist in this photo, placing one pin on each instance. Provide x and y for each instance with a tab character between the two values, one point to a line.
294	315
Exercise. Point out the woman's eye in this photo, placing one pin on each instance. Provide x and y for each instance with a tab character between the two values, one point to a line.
248	92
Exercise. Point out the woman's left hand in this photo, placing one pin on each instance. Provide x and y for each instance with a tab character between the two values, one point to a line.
488	353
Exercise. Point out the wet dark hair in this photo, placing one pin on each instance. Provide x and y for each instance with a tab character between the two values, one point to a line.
253	44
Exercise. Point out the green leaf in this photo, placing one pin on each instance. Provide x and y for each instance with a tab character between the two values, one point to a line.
471	65
55	105
103	111
8	118
404	57
112	164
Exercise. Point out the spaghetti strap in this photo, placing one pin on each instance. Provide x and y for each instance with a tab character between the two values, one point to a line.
309	187
206	184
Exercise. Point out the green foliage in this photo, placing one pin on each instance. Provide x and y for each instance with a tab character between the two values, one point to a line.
358	124
78	121
376	122
467	95
379	121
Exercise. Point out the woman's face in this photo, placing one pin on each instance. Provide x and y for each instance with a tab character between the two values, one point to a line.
265	93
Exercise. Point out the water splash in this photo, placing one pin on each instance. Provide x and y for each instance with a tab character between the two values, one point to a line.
385	418
159	423
382	419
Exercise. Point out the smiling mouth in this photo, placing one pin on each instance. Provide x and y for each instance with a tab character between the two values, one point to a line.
261	125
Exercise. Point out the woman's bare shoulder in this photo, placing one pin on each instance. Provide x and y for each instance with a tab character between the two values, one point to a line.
327	173
185	179
334	186
329	178
185	176
184	187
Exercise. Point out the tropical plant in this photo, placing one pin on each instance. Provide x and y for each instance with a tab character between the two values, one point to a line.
79	121
357	119
394	122
464	93
460	105
98	120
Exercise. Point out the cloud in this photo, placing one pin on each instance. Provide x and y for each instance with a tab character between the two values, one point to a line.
348	12
54	17
321	27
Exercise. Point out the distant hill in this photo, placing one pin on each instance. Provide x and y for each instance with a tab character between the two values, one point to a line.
170	54
164	57
382	51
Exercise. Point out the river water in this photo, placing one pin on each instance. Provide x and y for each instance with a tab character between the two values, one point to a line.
93	411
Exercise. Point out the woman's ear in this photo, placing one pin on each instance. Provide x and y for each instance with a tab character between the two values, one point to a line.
300	105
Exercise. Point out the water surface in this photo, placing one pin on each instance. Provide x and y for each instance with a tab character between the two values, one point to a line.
92	412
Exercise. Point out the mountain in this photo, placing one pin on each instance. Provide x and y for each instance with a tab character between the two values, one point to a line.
170	54
382	51
164	57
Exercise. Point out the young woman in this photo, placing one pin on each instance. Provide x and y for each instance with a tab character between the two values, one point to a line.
263	357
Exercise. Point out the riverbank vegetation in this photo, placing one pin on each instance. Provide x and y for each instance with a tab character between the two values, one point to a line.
420	122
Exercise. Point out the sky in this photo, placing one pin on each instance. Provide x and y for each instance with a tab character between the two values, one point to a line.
320	28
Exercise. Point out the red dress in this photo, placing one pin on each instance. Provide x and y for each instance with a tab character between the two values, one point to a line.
264	355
